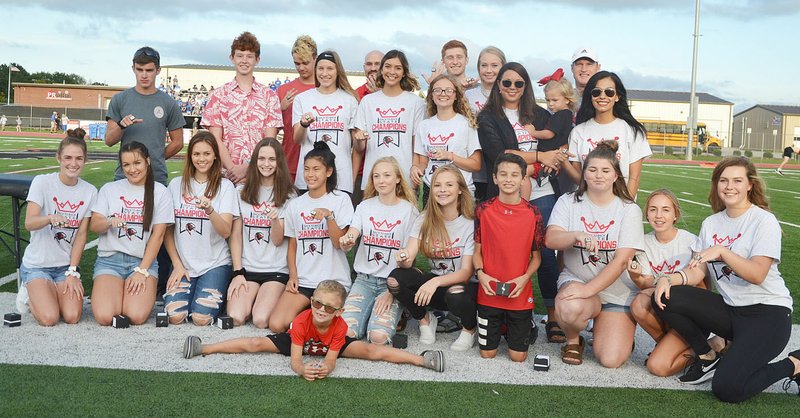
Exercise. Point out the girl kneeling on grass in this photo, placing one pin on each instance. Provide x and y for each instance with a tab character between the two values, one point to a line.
319	331
314	223
385	219
260	269
204	204
740	247
599	228
667	250
445	234
130	216
58	218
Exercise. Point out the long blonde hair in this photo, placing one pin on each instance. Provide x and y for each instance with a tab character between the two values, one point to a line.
433	230
402	190
460	104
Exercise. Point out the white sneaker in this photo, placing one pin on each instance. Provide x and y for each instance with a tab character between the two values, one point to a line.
427	333
779	172
464	342
22	299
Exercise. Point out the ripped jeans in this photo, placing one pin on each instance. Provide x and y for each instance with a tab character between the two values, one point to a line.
202	296
360	316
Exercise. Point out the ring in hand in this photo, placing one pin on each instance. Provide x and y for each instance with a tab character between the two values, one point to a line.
313	213
403	255
698	257
433	70
120	224
587	240
132	118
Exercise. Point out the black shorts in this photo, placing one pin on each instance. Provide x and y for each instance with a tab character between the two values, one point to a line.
283	341
490	324
262	278
788	152
305	291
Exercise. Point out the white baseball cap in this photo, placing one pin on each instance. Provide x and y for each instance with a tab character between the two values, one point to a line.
584	53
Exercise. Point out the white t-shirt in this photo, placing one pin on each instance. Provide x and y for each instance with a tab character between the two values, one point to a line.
754	233
632	146
317	259
527	143
259	254
385	229
199	245
616	225
476	100
51	246
126	201
434	134
335	114
462	243
673	256
390	123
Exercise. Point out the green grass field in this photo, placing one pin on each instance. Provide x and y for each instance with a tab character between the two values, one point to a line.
46	390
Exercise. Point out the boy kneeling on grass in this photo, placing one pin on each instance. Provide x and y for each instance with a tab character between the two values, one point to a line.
318	331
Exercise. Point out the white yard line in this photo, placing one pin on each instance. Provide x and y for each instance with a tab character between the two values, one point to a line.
52	167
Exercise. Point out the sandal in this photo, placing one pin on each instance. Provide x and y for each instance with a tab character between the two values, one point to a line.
554	333
573	353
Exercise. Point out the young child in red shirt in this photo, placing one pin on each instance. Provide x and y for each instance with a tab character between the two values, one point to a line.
318	331
508	236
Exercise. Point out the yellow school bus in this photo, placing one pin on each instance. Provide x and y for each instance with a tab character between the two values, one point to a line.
668	133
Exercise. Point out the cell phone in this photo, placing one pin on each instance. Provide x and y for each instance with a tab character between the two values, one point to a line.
503	288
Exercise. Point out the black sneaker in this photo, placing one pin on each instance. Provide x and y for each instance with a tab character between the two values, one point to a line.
699	371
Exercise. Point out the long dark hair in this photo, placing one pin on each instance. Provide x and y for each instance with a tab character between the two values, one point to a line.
138	147
408	82
214	174
323	153
620	109
527	103
606	150
74	137
282	185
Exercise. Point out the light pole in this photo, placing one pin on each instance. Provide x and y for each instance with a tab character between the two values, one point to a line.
692	105
11	68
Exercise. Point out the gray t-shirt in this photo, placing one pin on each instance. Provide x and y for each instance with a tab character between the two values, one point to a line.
160	114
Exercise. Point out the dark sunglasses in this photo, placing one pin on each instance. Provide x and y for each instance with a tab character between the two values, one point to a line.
609	92
147	52
316	304
518	84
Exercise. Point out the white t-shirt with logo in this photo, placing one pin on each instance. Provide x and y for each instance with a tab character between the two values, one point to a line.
259	254
615	225
199	245
316	258
434	134
632	146
666	258
390	123
449	256
52	246
335	115
385	229
126	201
754	233
527	143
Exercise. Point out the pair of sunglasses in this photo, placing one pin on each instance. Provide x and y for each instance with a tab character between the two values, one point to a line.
316	304
608	91
518	84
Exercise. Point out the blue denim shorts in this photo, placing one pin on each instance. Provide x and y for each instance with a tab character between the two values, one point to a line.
613	307
54	274
121	265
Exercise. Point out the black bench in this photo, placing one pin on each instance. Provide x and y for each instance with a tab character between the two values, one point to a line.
16	186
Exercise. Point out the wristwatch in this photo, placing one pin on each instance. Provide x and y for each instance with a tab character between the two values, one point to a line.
330	217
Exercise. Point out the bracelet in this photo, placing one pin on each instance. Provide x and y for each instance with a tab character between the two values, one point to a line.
210	213
684	279
73	271
477	270
330	217
304	125
240	272
120	124
141	271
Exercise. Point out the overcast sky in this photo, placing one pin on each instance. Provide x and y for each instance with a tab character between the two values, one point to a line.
747	48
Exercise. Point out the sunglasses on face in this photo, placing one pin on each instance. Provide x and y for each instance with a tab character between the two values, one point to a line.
316	304
608	91
518	84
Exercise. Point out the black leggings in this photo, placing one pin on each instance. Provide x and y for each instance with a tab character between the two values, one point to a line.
758	333
460	299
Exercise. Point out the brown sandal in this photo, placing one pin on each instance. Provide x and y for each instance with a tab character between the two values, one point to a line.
554	333
573	353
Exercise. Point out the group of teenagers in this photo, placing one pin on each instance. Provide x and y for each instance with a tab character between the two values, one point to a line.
509	190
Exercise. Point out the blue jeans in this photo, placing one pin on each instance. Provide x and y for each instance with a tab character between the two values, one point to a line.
547	275
203	295
358	308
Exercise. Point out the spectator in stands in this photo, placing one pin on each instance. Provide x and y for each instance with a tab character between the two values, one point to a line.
243	111
304	54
